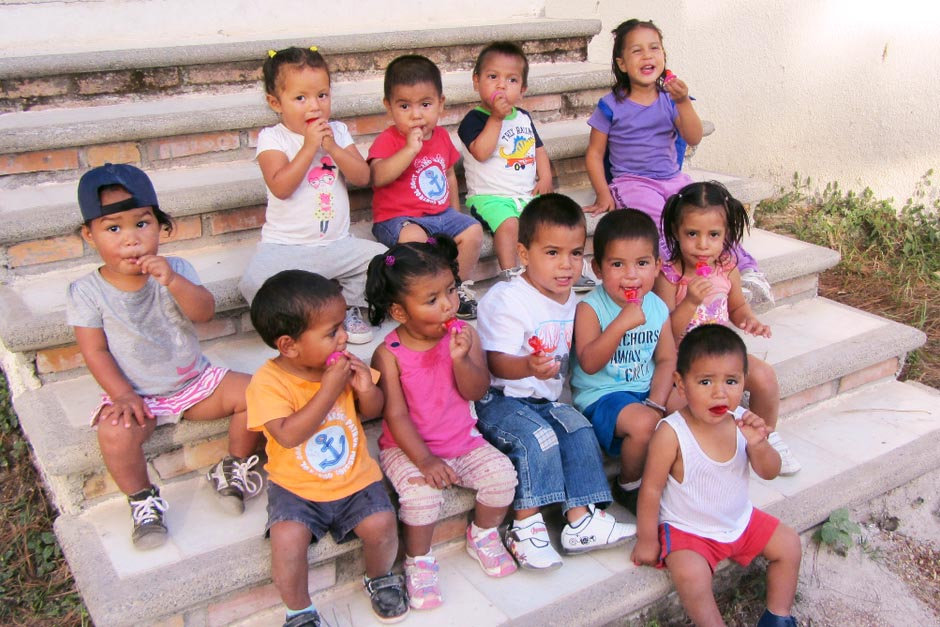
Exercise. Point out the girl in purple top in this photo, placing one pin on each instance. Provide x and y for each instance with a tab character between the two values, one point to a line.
432	368
637	124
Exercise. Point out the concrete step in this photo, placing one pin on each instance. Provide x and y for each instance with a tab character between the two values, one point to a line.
214	570
99	76
195	128
33	305
819	349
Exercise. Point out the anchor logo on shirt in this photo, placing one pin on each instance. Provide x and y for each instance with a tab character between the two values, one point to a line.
326	444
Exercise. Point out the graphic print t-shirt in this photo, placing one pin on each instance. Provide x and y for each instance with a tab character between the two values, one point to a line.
510	170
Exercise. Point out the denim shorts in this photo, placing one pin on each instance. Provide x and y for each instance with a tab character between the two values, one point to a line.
449	222
339	517
603	415
552	447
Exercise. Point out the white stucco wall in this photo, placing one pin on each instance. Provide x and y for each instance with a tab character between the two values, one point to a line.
842	90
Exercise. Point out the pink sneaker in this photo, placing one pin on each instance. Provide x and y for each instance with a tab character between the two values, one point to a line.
424	590
488	550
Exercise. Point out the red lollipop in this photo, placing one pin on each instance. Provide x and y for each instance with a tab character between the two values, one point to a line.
629	293
334	357
454	323
536	344
702	268
669	76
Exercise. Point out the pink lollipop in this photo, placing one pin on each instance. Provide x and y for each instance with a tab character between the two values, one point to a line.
334	357
494	96
629	293
669	76
702	268
454	323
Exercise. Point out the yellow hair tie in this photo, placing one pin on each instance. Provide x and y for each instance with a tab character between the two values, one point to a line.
272	53
313	48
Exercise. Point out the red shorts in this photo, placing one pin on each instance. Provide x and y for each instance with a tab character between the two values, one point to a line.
749	545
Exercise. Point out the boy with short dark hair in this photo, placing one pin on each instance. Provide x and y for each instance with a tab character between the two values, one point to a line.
321	475
695	484
625	351
413	182
526	327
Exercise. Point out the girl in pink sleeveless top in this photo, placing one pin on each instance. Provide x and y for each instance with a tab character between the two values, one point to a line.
433	368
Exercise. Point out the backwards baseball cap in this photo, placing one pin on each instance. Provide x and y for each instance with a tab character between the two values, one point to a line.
134	180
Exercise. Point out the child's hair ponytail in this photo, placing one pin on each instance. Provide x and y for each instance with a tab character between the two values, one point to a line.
391	272
297	58
703	195
621	87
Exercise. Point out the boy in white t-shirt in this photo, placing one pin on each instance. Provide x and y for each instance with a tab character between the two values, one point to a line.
525	327
306	160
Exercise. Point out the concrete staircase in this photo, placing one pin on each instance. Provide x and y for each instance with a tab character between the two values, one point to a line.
190	117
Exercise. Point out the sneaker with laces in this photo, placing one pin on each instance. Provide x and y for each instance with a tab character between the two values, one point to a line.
358	330
234	480
789	465
584	284
147	509
304	619
529	543
421	581
509	273
389	599
756	288
597	530
467	310
488	550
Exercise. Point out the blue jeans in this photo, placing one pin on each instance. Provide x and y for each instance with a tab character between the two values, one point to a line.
552	447
450	222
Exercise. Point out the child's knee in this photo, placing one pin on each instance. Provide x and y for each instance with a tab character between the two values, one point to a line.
786	545
509	229
118	439
378	529
420	504
761	377
470	236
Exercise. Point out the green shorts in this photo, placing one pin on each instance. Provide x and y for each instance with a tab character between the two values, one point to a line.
492	211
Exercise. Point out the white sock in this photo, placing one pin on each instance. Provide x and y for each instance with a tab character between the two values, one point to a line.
477	532
427	557
630	485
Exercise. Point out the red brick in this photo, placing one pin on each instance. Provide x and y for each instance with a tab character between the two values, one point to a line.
449	530
547	102
45	250
189	227
247	71
59	359
368	124
125	152
886	368
65	159
186	145
585	98
236	220
159	78
99	485
253	137
807	397
36	87
105	82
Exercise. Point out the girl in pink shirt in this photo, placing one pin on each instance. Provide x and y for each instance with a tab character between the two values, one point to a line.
433	369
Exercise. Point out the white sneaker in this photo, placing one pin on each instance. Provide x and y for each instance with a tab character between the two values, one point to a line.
597	530
358	330
788	463
528	541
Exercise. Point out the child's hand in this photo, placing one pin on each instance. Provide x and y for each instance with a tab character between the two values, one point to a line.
543	366
645	552
753	428
460	342
499	106
632	314
436	473
157	267
415	139
361	380
603	204
754	326
337	375
543	185
677	90
317	130
699	288
125	408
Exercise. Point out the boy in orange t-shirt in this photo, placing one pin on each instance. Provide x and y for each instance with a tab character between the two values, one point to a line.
321	475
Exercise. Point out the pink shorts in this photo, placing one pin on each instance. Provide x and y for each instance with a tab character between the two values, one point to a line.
167	410
749	545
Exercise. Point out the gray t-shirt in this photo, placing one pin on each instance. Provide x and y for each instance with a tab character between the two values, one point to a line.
151	339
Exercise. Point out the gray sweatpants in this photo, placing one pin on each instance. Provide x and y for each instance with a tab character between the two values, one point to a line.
345	260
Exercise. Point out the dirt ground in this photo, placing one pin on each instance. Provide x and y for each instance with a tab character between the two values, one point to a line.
892	577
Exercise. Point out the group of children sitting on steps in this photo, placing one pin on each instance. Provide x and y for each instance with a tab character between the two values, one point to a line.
475	407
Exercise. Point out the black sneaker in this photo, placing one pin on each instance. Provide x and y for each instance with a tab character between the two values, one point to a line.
627	498
304	619
234	480
147	509
468	301
389	599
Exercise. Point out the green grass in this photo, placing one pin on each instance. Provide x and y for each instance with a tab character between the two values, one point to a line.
36	586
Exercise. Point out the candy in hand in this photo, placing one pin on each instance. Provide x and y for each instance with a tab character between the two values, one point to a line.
629	293
334	357
454	323
702	268
536	344
669	76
